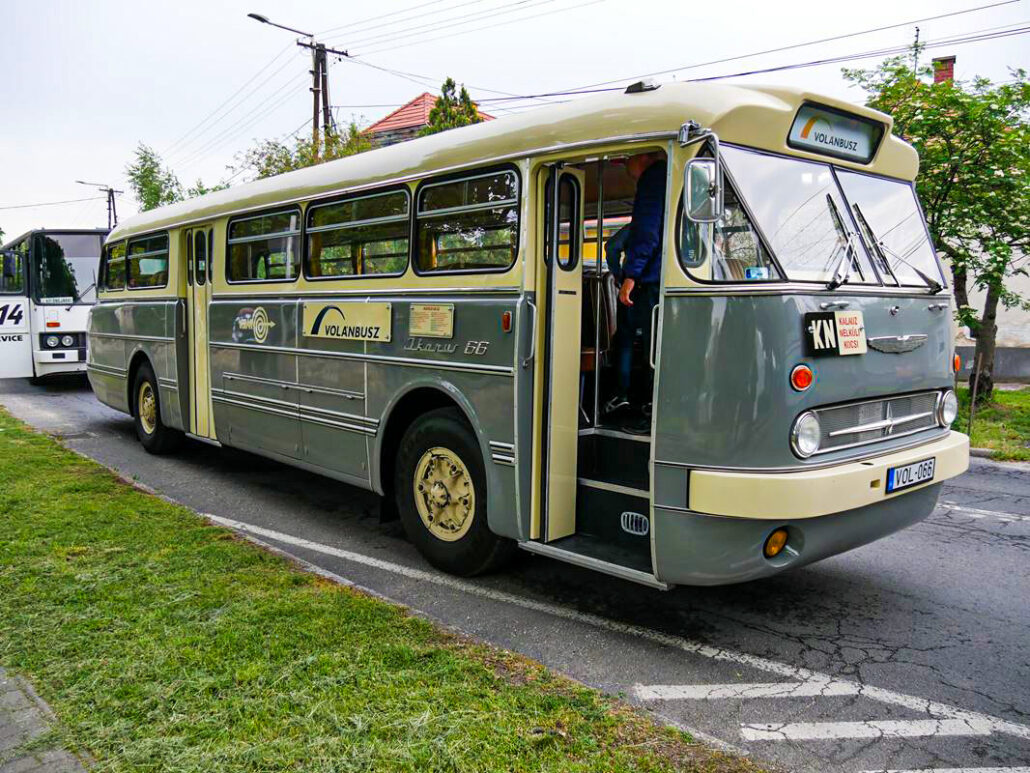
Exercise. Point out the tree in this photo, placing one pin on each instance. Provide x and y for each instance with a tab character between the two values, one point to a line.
152	185
199	189
973	141
271	157
451	111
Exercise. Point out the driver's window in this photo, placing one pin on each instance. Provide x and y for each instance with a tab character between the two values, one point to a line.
12	278
729	250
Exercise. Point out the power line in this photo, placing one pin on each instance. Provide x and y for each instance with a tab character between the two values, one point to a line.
232	96
376	18
406	19
452	21
486	27
52	203
797	45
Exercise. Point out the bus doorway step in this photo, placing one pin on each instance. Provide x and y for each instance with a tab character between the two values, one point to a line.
600	555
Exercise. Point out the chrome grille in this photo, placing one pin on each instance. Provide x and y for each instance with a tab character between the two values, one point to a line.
855	424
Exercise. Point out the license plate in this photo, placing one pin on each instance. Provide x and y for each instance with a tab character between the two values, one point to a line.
910	475
836	333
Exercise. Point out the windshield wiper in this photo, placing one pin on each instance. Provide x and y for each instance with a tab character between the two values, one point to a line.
842	269
79	296
934	286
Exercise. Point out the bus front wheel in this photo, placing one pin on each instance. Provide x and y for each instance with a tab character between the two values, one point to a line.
440	487
153	434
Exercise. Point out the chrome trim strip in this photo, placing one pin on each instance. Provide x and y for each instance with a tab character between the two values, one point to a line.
550	551
614	487
340	415
794	288
506	460
253	406
312	197
396	292
823	465
497	445
344	393
884	424
256	399
126	337
491	370
369	431
108	370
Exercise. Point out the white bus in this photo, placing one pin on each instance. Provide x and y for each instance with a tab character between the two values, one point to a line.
47	287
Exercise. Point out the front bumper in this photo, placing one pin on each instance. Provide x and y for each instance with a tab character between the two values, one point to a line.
814	493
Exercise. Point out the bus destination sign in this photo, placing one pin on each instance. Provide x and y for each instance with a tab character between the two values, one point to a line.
833	133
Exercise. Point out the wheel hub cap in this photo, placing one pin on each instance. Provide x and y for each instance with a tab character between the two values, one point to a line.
444	494
147	408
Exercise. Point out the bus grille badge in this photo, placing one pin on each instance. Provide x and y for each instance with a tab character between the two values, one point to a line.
636	524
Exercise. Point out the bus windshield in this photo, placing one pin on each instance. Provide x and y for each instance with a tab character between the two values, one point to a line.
65	267
800	211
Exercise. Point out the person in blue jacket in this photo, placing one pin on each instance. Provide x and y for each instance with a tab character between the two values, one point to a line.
638	274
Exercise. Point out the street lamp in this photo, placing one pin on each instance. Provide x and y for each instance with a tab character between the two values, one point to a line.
266	20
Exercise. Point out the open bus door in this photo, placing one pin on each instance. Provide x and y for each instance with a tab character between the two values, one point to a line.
15	334
561	289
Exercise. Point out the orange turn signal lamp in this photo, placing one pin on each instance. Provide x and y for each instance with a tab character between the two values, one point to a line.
775	543
53	324
956	362
801	378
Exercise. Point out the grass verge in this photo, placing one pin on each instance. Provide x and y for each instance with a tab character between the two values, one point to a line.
1003	426
165	643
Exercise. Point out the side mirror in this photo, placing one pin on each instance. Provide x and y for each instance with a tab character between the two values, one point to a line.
10	265
702	185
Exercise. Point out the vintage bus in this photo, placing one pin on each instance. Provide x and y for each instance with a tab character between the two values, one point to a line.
429	321
47	288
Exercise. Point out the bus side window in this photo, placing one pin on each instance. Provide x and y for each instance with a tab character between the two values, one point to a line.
146	263
362	235
470	224
113	272
264	248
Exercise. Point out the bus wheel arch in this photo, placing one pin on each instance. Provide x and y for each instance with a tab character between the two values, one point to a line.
143	388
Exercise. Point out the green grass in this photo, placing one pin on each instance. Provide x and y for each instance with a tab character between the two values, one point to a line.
165	643
1003	426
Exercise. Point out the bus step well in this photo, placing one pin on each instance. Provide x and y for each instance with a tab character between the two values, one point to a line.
600	555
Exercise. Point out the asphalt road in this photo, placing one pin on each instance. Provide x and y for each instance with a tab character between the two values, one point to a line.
910	654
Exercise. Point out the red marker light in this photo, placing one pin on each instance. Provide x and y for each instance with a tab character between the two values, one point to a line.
506	322
801	377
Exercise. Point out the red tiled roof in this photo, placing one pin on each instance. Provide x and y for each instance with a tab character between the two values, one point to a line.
414	113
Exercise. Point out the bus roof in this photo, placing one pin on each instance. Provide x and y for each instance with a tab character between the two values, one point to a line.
757	116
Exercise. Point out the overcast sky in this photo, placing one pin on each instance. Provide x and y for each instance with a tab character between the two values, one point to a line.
81	83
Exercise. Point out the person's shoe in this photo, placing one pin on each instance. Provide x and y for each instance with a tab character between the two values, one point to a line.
638	426
646	410
616	403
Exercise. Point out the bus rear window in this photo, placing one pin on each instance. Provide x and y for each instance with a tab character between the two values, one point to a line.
365	235
470	224
265	248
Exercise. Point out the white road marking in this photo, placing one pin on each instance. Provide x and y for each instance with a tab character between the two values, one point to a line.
975	512
701	692
932	708
887	728
954	770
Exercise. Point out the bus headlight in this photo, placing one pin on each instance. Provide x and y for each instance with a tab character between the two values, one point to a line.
806	434
947	409
52	341
68	342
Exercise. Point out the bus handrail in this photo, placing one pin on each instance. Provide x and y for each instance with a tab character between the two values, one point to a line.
532	340
653	354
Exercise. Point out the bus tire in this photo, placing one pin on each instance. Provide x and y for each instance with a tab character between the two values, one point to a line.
151	431
440	489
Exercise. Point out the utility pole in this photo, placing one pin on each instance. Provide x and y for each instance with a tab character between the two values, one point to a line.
319	79
915	53
112	211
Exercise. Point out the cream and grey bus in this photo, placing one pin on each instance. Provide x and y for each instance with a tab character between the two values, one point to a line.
431	321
